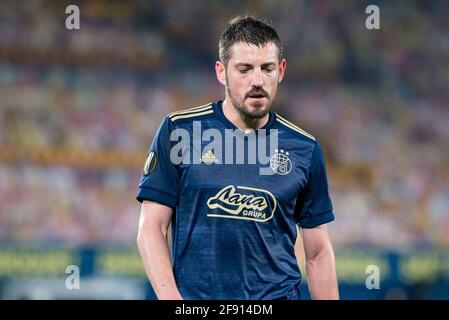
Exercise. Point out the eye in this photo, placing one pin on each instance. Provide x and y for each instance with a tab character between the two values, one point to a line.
244	70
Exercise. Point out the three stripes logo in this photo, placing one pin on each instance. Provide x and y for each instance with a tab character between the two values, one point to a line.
192	112
209	158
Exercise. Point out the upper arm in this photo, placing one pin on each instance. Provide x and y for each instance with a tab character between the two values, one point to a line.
316	241
313	204
154	215
160	178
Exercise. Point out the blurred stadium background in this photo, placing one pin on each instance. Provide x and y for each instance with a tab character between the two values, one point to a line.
79	108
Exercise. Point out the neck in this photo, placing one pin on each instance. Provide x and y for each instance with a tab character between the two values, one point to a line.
241	121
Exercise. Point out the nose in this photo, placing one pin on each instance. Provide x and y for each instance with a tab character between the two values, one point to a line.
257	80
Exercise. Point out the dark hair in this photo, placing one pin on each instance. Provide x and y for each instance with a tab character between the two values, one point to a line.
250	30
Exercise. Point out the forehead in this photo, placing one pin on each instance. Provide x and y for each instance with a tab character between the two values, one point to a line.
242	52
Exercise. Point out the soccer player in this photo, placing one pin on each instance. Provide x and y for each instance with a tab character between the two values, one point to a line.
234	227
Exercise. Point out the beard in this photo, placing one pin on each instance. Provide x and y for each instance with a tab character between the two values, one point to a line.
257	110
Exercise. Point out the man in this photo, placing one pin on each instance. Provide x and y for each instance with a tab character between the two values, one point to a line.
234	229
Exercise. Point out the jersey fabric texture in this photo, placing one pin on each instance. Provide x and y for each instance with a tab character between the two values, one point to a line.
234	230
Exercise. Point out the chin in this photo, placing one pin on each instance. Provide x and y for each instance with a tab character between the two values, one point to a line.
256	111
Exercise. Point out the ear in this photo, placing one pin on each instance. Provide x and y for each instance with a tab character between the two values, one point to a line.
220	71
282	67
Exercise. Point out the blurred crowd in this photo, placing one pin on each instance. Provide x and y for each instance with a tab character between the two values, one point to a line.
377	101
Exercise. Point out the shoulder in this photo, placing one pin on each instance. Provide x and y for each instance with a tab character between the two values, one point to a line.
294	129
190	114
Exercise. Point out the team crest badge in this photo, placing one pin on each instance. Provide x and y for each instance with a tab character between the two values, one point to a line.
280	162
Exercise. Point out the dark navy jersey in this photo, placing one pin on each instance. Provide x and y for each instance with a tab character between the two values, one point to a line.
234	229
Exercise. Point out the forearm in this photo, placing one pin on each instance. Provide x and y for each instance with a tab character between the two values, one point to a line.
155	255
322	277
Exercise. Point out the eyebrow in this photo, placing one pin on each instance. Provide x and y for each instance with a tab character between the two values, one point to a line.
243	64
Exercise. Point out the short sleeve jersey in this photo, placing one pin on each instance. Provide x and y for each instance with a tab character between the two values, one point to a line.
233	226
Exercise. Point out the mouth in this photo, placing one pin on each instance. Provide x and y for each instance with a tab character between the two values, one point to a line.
256	96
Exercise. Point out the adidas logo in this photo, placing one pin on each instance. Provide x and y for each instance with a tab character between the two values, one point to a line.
209	157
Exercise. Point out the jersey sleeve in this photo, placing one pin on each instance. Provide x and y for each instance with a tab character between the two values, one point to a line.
313	204
160	178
